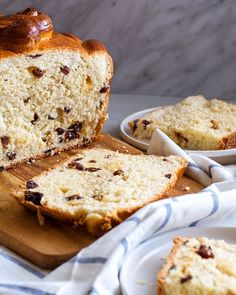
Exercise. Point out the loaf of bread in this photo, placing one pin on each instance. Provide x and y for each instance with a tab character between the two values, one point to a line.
199	266
194	123
99	188
54	88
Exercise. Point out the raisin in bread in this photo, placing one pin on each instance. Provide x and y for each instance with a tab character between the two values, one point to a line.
54	88
194	123
99	188
199	266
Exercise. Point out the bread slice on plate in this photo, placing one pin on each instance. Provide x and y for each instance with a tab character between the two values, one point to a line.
199	266
54	88
99	188
194	123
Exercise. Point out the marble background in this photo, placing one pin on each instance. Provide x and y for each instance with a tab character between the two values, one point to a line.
160	47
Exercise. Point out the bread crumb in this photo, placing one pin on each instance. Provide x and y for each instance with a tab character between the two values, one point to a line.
141	282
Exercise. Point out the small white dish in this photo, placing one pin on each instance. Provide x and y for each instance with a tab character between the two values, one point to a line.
139	271
223	157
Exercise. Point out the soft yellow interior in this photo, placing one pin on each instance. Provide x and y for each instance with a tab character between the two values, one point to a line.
212	276
65	91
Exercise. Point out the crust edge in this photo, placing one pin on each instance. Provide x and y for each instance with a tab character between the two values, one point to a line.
105	222
228	142
177	243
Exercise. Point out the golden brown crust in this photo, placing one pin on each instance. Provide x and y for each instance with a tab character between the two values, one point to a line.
228	142
25	30
177	243
108	221
104	115
31	31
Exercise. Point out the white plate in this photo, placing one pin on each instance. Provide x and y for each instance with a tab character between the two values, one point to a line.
221	156
138	273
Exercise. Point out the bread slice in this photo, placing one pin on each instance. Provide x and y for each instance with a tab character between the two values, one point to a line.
54	88
198	266
99	188
194	123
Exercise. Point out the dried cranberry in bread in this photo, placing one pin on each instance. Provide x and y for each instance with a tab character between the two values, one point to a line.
54	88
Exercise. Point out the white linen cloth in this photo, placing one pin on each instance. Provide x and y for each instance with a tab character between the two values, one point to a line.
95	270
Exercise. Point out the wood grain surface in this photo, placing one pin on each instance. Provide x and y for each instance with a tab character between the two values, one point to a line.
53	243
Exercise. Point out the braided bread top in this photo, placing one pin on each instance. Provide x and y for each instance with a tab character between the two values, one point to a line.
30	31
24	30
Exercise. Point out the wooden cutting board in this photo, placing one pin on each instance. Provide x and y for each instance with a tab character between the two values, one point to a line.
49	245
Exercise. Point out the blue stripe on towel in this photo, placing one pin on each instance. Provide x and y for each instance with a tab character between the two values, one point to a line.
217	166
90	260
134	218
25	290
167	217
214	165
174	200
194	165
23	265
215	206
125	245
215	201
93	291
194	223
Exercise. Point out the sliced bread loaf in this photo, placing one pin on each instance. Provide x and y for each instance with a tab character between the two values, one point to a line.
194	123
99	188
54	88
199	266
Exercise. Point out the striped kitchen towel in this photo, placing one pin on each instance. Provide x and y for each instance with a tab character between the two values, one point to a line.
200	168
95	270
